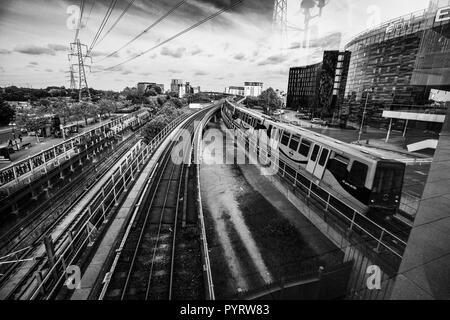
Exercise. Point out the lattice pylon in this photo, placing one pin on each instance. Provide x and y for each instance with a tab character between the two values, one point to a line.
279	22
79	51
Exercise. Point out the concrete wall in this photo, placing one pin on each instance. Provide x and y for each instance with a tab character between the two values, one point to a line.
425	270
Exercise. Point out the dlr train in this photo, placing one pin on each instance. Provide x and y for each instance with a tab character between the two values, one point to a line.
361	180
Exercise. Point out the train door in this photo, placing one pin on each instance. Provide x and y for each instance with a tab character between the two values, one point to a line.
313	159
318	161
322	163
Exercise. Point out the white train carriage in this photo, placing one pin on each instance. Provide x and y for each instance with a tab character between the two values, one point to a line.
362	180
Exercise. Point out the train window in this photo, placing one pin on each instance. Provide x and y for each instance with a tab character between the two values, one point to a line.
388	178
315	152
358	174
293	145
323	157
269	131
337	168
305	147
285	138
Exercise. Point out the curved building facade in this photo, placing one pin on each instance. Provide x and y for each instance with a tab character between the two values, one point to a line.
397	64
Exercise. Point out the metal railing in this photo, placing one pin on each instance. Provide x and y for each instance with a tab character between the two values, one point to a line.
107	198
32	167
354	219
209	284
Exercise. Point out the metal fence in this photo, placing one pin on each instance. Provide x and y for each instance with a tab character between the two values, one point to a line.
22	172
352	219
97	212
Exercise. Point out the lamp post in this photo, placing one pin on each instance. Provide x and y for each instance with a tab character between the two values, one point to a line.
364	115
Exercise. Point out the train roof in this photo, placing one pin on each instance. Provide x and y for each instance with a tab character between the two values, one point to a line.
335	144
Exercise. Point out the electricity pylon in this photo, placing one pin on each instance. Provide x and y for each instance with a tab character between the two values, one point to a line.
79	51
73	84
279	22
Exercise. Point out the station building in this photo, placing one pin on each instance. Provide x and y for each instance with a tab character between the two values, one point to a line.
398	67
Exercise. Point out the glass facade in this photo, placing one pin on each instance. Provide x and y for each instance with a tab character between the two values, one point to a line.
398	64
319	88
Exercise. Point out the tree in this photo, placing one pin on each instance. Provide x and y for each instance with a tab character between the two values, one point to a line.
85	109
6	113
63	110
163	117
106	106
161	101
270	101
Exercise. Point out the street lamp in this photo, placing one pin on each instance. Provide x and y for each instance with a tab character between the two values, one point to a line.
364	114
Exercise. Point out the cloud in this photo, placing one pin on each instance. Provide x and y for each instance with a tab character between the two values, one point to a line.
96	54
4	51
331	41
239	56
276	59
126	72
34	50
34	63
58	47
48	70
2	70
201	73
175	53
174	71
196	51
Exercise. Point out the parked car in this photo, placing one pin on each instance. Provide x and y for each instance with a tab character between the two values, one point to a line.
318	121
302	117
278	112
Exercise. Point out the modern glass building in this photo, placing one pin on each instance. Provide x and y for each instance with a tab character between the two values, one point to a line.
398	64
319	89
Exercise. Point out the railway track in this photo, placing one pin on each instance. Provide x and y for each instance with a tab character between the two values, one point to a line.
157	246
37	233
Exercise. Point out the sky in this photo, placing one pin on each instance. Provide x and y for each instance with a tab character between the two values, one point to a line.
238	45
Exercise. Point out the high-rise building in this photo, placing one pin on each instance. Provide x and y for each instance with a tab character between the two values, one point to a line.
174	85
319	88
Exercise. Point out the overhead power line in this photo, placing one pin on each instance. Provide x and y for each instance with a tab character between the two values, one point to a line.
102	25
77	32
178	34
90	12
146	30
117	21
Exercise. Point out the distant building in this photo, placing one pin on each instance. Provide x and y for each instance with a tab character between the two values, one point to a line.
239	91
174	85
253	89
177	86
142	87
319	88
